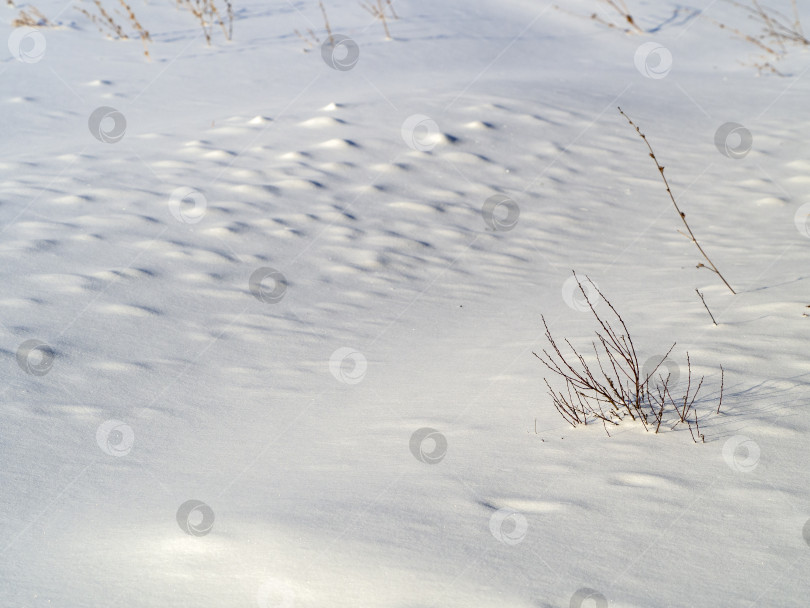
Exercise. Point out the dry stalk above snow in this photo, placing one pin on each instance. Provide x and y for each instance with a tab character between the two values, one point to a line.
775	26
30	17
681	214
207	13
107	24
624	21
378	12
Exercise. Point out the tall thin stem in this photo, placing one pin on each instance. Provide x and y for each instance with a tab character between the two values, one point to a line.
681	214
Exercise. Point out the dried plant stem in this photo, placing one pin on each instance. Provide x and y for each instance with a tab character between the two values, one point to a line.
681	214
722	382
108	26
214	12
32	18
229	12
311	40
797	24
326	24
145	38
378	12
602	21
697	430
105	21
620	7
706	305
208	14
743	35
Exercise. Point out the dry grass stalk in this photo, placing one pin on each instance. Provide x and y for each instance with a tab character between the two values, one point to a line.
613	385
681	214
626	23
326	24
767	66
105	23
229	13
108	26
378	12
743	36
209	16
311	39
32	18
144	35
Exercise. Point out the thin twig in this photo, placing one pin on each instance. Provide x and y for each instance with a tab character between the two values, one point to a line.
722	379
706	305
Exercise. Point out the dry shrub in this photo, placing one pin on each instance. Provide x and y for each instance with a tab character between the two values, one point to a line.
613	386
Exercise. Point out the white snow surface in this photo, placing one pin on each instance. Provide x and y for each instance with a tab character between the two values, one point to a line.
292	421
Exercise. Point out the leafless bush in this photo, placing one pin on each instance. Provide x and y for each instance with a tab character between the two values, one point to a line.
613	386
777	30
776	26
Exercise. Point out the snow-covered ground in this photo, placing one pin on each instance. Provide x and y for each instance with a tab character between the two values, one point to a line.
276	289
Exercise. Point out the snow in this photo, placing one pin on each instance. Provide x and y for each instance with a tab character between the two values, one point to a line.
287	292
